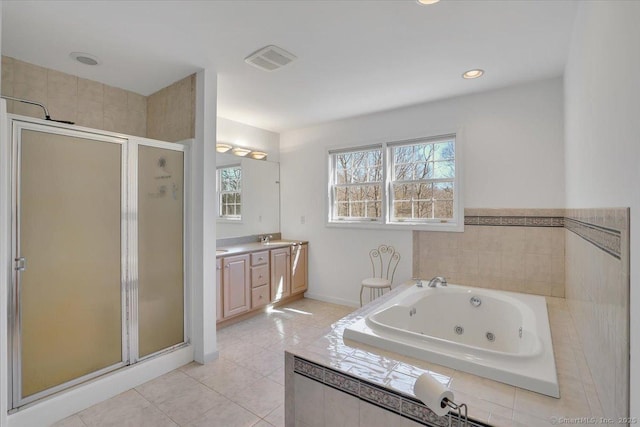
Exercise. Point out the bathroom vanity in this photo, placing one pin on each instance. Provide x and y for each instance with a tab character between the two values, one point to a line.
252	275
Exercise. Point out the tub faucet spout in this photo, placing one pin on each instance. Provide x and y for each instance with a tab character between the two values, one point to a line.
438	279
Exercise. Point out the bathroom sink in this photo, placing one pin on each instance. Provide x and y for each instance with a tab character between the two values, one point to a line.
221	251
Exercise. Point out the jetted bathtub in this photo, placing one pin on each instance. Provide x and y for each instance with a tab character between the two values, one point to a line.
499	335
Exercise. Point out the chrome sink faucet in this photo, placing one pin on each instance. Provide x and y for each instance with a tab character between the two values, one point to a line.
438	279
266	238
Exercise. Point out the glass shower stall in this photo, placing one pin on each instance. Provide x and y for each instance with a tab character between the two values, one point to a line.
98	232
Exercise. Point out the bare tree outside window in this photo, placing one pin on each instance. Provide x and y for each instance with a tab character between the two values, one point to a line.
358	184
230	192
401	182
423	180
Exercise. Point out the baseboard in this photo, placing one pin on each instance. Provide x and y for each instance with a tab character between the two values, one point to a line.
332	300
64	404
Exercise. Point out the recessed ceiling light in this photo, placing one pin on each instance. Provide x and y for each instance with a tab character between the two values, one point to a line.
85	58
427	1
473	74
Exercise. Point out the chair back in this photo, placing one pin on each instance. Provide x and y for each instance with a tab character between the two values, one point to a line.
384	260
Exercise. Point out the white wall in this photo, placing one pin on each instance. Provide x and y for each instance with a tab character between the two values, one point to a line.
602	110
242	135
203	225
513	158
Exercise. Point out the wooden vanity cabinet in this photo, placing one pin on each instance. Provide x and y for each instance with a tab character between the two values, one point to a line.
236	285
248	282
260	292
280	273
299	263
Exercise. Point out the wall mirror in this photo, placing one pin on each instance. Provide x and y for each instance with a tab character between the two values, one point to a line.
259	200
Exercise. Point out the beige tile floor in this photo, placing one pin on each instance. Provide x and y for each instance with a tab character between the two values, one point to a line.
244	387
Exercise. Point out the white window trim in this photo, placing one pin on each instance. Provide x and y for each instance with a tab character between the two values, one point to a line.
225	219
456	224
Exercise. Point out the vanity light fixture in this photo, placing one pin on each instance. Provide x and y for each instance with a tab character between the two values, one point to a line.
473	74
222	147
258	155
427	1
239	151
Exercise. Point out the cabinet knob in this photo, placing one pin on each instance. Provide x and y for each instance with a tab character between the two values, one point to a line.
226	266
260	259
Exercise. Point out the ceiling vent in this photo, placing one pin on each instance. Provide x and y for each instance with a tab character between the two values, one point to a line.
270	58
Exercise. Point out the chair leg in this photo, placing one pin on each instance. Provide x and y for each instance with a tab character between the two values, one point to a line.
361	291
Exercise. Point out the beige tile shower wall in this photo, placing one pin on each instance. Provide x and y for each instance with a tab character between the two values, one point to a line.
512	258
85	102
172	111
597	293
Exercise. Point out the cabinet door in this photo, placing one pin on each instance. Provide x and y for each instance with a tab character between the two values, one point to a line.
236	288
219	289
280	274
299	261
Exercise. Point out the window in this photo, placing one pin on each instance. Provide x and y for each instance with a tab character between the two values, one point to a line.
229	185
422	181
397	184
358	185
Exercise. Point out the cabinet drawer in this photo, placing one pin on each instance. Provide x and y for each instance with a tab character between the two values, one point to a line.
259	276
259	296
258	258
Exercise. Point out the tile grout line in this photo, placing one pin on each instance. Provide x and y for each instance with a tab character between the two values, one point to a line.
156	406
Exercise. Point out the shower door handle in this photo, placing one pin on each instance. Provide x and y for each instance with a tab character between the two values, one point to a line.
21	264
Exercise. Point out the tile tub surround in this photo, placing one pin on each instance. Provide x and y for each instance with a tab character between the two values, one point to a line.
597	294
244	387
518	250
350	365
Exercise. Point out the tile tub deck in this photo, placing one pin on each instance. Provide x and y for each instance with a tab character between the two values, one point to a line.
386	379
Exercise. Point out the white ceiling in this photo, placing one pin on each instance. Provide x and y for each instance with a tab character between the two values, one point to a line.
354	57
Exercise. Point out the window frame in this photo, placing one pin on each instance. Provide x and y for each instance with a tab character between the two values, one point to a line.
455	224
235	219
332	185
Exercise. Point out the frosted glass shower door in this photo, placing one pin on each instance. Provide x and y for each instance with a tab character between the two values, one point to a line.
69	232
160	248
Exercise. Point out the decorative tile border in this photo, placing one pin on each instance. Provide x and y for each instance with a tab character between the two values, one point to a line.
607	239
308	369
601	227
342	382
379	396
516	221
